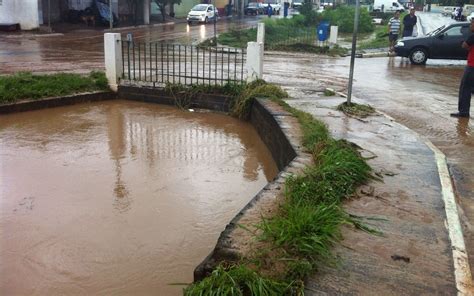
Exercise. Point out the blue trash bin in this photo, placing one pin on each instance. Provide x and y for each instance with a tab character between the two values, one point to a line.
323	31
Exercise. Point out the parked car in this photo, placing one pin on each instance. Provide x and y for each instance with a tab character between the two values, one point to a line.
470	17
388	6
254	8
274	5
202	13
297	4
443	43
458	14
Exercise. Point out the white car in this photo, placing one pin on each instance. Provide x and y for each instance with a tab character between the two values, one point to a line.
274	5
297	4
470	17
202	13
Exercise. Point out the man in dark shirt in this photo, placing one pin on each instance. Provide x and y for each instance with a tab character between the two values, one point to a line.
467	81
409	22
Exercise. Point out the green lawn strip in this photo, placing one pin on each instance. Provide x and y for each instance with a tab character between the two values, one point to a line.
307	225
24	85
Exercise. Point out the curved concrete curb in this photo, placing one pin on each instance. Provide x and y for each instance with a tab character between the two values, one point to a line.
462	270
29	105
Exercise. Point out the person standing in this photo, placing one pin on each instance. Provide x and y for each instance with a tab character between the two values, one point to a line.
467	80
393	30
409	22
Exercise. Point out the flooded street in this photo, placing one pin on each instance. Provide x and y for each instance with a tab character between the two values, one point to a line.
420	97
82	50
119	197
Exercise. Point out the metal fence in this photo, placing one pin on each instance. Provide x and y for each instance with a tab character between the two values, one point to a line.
279	36
161	63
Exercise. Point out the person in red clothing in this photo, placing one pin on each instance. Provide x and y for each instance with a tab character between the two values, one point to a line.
467	81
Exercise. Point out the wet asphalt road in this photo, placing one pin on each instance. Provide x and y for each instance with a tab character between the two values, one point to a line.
421	97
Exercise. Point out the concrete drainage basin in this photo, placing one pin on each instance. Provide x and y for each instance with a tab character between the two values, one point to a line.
119	197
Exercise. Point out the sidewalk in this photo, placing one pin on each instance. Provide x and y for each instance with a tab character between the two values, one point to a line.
414	256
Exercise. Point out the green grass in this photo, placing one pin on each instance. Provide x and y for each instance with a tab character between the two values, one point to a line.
308	222
238	280
380	40
355	109
25	85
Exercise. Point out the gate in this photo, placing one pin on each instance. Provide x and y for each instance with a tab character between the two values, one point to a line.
158	64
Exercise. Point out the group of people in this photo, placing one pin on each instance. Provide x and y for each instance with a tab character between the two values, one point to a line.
394	25
467	82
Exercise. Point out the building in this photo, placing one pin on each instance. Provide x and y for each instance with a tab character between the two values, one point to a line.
31	14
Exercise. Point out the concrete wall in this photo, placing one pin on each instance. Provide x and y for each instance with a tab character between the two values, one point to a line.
24	12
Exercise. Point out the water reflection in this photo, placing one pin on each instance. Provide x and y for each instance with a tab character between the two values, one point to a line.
168	179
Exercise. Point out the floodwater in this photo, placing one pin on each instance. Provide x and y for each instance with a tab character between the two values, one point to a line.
119	197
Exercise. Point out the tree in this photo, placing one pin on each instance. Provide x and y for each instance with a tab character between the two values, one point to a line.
133	8
162	5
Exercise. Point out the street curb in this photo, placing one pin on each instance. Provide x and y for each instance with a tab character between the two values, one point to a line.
462	272
374	55
140	27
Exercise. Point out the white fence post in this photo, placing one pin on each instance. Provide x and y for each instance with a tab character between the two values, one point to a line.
333	35
113	58
261	33
254	62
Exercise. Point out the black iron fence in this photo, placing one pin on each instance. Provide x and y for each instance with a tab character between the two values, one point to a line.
161	63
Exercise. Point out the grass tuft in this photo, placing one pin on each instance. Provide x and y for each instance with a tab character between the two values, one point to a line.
238	280
25	85
355	109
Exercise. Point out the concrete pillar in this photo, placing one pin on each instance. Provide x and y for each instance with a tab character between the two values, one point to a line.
254	63
113	58
261	33
333	35
146	12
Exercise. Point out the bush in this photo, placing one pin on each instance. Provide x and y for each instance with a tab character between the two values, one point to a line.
343	16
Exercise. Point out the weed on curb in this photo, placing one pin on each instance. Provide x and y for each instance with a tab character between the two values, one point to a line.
354	109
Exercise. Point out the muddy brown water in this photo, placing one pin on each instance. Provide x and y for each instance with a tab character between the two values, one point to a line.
119	197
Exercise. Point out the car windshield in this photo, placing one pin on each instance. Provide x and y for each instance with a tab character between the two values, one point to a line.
253	4
199	7
432	33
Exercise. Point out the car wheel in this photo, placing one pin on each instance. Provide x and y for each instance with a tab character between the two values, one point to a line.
418	56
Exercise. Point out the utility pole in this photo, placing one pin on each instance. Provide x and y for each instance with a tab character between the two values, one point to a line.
215	20
49	16
354	42
111	15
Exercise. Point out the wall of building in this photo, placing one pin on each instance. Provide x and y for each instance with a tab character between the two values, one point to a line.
24	12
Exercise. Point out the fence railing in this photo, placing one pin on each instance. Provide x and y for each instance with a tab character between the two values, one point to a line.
161	63
284	36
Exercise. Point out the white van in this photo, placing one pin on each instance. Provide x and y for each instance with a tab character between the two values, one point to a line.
388	6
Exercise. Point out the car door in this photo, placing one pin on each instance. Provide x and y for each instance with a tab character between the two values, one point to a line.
447	44
210	12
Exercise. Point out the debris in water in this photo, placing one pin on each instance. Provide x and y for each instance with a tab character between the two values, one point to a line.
191	110
398	257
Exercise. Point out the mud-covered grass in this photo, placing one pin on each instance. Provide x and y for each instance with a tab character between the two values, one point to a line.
25	85
308	222
355	109
380	39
